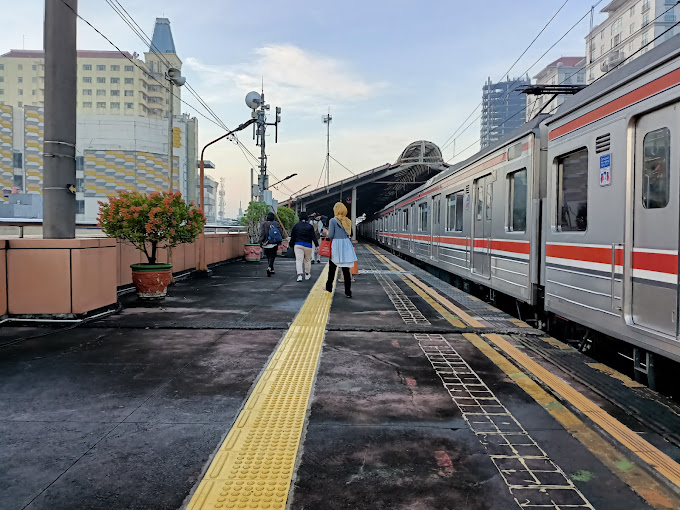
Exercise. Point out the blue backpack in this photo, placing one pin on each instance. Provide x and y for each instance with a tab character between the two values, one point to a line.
274	236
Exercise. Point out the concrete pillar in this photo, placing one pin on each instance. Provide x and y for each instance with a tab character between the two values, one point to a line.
354	214
59	167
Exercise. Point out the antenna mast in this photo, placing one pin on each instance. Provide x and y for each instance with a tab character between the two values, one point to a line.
327	120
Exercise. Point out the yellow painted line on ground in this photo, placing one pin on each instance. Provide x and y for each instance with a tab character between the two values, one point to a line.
651	455
433	293
519	323
254	466
627	381
556	343
632	475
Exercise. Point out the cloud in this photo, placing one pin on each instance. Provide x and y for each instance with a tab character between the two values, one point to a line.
306	81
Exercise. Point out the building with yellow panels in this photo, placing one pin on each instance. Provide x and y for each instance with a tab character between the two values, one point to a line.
122	132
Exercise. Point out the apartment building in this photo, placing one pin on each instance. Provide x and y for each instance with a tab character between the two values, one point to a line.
563	71
502	109
629	31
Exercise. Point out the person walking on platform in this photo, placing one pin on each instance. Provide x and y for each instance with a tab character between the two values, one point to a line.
315	221
302	238
270	238
342	251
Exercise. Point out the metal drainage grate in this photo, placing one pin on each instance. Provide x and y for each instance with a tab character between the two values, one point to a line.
534	480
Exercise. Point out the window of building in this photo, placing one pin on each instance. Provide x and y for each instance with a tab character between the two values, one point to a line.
632	28
33	92
19	181
656	170
454	212
79	180
129	69
20	104
115	68
20	79
616	26
87	67
101	68
645	5
2	67
115	92
115	80
101	79
616	40
21	92
129	81
423	212
632	11
101	92
645	39
87	104
80	165
2	79
602	35
572	191
129	93
34	79
517	201
80	206
34	67
129	105
602	50
20	67
101	105
87	79
580	78
87	92
18	160
645	20
115	105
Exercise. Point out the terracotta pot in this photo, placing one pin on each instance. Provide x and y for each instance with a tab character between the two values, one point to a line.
253	252
151	280
283	247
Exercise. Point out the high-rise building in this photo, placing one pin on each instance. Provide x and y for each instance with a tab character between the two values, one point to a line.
629	31
502	109
563	71
122	127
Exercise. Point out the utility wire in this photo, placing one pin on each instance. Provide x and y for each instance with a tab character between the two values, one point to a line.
446	143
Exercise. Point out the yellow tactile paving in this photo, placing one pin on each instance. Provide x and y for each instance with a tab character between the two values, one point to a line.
658	460
254	465
627	381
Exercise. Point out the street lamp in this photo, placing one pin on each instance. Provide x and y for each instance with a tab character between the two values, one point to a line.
279	182
174	76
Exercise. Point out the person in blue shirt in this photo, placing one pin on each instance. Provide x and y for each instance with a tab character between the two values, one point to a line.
302	238
342	250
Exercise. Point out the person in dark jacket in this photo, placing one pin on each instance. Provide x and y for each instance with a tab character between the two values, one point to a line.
302	238
269	248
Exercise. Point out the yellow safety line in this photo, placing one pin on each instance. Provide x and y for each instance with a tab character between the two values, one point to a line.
633	476
643	449
448	304
254	466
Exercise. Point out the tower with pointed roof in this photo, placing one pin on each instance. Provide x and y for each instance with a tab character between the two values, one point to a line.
162	55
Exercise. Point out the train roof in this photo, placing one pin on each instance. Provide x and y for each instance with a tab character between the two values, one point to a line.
516	134
655	57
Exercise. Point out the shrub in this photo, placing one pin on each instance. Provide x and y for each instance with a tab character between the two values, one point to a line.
287	217
253	218
149	222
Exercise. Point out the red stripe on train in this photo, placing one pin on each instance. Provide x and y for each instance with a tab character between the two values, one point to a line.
584	253
654	87
657	262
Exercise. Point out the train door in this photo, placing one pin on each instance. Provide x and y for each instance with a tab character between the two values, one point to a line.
413	225
436	227
481	246
655	221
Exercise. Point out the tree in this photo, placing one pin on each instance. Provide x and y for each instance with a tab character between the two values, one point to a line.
253	218
288	218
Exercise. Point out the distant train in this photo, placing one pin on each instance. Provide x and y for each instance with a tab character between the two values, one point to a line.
576	214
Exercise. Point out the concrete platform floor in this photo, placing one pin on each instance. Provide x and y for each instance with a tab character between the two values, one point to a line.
128	411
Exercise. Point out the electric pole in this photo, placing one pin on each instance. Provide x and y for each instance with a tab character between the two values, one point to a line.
327	120
59	151
256	102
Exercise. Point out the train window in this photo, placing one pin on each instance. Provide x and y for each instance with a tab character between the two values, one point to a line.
517	201
572	191
656	169
480	201
515	151
489	199
423	211
405	220
454	216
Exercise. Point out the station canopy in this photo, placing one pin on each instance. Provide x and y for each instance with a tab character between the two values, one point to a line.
379	186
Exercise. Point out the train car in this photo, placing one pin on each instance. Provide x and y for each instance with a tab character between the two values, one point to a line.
612	209
480	219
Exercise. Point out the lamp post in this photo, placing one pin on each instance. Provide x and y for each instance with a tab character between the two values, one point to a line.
279	182
202	266
174	76
298	191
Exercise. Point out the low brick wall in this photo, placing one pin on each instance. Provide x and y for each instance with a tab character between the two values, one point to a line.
218	248
71	277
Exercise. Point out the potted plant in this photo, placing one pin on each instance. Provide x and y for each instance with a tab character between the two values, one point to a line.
252	220
288	220
150	222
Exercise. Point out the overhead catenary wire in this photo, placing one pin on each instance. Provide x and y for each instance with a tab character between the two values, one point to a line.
449	140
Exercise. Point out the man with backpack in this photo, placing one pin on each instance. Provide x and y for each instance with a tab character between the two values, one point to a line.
270	238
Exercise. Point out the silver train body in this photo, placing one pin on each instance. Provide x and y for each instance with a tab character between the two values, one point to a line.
576	213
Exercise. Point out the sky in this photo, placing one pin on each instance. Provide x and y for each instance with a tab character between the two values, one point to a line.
389	71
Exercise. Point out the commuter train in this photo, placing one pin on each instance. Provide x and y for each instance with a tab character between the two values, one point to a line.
576	214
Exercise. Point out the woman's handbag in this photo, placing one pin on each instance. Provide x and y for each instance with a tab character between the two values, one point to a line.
325	248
